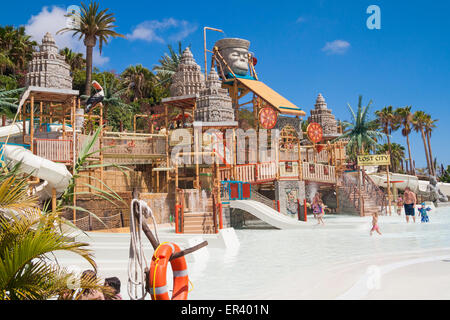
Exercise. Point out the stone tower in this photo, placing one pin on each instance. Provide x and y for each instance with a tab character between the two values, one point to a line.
48	68
188	79
213	103
323	116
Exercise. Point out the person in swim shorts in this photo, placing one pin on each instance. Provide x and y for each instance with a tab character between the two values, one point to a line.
409	200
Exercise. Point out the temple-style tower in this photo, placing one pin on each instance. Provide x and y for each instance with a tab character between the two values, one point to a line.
188	79
48	68
323	116
213	103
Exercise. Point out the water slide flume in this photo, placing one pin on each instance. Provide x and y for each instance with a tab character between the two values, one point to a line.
56	175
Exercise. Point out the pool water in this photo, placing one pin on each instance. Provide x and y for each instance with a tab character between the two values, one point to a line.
314	262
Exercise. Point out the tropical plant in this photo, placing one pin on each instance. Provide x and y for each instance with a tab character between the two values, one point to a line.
361	137
138	80
74	59
429	126
405	117
28	240
92	25
419	120
6	63
168	64
397	153
16	48
445	175
83	165
388	122
115	109
8	101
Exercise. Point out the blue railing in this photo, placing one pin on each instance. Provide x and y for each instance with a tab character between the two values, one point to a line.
235	190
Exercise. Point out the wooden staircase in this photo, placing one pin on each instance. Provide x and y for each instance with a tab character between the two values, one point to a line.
364	199
199	222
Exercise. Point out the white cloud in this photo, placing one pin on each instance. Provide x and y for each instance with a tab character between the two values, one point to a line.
336	47
158	31
52	20
300	19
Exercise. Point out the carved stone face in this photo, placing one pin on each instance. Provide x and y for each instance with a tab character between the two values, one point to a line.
235	53
237	59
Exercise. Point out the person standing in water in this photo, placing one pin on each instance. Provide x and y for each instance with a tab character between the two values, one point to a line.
423	213
399	205
318	208
375	226
409	200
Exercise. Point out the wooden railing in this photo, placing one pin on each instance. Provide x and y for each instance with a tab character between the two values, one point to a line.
266	171
245	172
54	149
318	172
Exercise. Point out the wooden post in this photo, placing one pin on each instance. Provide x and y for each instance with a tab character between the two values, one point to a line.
100	145
157	181
31	123
53	200
74	156
388	189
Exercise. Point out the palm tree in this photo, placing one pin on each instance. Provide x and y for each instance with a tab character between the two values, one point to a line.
137	78
28	240
405	117
359	132
5	63
429	126
113	104
74	59
8	100
168	64
388	122
397	153
93	25
419	120
17	46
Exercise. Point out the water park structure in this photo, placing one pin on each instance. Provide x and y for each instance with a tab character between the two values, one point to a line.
203	169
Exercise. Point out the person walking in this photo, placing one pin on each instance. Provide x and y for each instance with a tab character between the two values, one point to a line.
409	200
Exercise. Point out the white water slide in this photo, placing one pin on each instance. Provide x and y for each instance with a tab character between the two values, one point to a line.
266	214
56	175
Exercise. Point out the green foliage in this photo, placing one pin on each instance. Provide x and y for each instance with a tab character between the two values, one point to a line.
28	239
445	176
360	132
8	82
397	153
9	100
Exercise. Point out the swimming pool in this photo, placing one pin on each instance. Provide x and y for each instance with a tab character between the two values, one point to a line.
316	262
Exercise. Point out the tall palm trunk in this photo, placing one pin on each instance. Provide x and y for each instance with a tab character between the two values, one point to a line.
426	150
409	153
90	44
433	169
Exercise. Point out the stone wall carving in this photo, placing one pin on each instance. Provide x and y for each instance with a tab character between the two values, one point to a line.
323	116
48	68
214	104
188	79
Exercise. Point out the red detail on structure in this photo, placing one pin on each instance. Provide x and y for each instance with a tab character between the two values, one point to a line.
234	190
268	117
315	132
246	190
254	60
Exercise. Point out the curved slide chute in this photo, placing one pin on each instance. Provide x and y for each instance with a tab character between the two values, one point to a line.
267	214
55	174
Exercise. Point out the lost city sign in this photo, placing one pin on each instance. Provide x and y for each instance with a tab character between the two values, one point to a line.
374	160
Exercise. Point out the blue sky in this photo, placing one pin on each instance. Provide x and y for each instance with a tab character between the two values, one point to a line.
303	48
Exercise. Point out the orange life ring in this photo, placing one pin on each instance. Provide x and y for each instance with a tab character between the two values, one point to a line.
158	274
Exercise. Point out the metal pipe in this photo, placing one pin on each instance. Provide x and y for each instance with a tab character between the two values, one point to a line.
204	42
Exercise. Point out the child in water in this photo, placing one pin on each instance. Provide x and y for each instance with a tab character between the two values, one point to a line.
375	226
399	205
423	213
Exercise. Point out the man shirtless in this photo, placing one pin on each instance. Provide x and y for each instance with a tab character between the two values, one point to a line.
409	200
